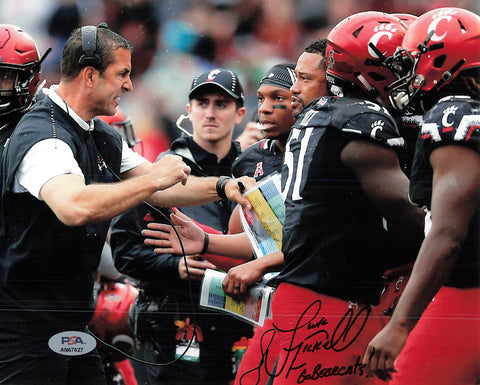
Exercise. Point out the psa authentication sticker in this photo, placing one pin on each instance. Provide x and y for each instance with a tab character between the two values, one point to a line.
72	343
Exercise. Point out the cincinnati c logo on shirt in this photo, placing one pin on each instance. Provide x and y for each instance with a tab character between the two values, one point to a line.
446	113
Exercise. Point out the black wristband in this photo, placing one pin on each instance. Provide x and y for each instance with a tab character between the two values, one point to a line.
220	186
205	243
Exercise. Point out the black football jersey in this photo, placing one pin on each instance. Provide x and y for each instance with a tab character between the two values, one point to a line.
259	160
333	235
453	120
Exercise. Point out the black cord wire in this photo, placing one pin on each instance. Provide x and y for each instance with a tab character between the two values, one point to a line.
158	211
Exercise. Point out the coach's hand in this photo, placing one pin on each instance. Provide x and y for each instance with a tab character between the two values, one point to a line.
169	171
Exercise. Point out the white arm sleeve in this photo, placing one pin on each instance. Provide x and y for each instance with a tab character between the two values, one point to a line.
52	157
45	160
130	159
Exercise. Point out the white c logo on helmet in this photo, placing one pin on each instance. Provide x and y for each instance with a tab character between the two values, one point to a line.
444	15
374	40
433	26
382	30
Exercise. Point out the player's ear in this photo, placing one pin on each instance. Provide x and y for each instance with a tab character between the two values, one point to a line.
189	109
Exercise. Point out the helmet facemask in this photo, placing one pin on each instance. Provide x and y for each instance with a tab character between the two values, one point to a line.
19	85
408	87
20	65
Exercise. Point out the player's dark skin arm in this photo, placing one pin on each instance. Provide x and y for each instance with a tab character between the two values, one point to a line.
240	277
456	191
378	170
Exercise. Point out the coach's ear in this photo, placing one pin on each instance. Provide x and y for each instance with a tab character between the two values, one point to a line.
89	76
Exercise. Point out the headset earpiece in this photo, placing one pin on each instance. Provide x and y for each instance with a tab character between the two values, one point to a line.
89	46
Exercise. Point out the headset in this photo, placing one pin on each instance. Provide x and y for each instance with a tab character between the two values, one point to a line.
89	46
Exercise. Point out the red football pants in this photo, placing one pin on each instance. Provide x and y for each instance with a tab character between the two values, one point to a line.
444	346
321	339
259	359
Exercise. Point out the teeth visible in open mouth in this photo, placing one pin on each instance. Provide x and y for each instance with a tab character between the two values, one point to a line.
263	126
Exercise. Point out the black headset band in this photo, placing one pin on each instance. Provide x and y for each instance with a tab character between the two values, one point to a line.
89	46
89	39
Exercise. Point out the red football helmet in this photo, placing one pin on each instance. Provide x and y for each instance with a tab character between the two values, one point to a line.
20	65
360	52
110	321
406	18
439	44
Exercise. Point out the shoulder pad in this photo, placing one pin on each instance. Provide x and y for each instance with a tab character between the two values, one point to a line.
315	114
354	116
453	119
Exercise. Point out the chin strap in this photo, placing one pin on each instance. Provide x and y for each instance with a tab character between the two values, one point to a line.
371	90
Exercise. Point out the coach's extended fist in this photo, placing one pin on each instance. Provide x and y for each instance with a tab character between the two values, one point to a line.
170	170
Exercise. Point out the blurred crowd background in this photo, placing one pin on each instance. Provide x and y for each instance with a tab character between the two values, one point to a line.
176	39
